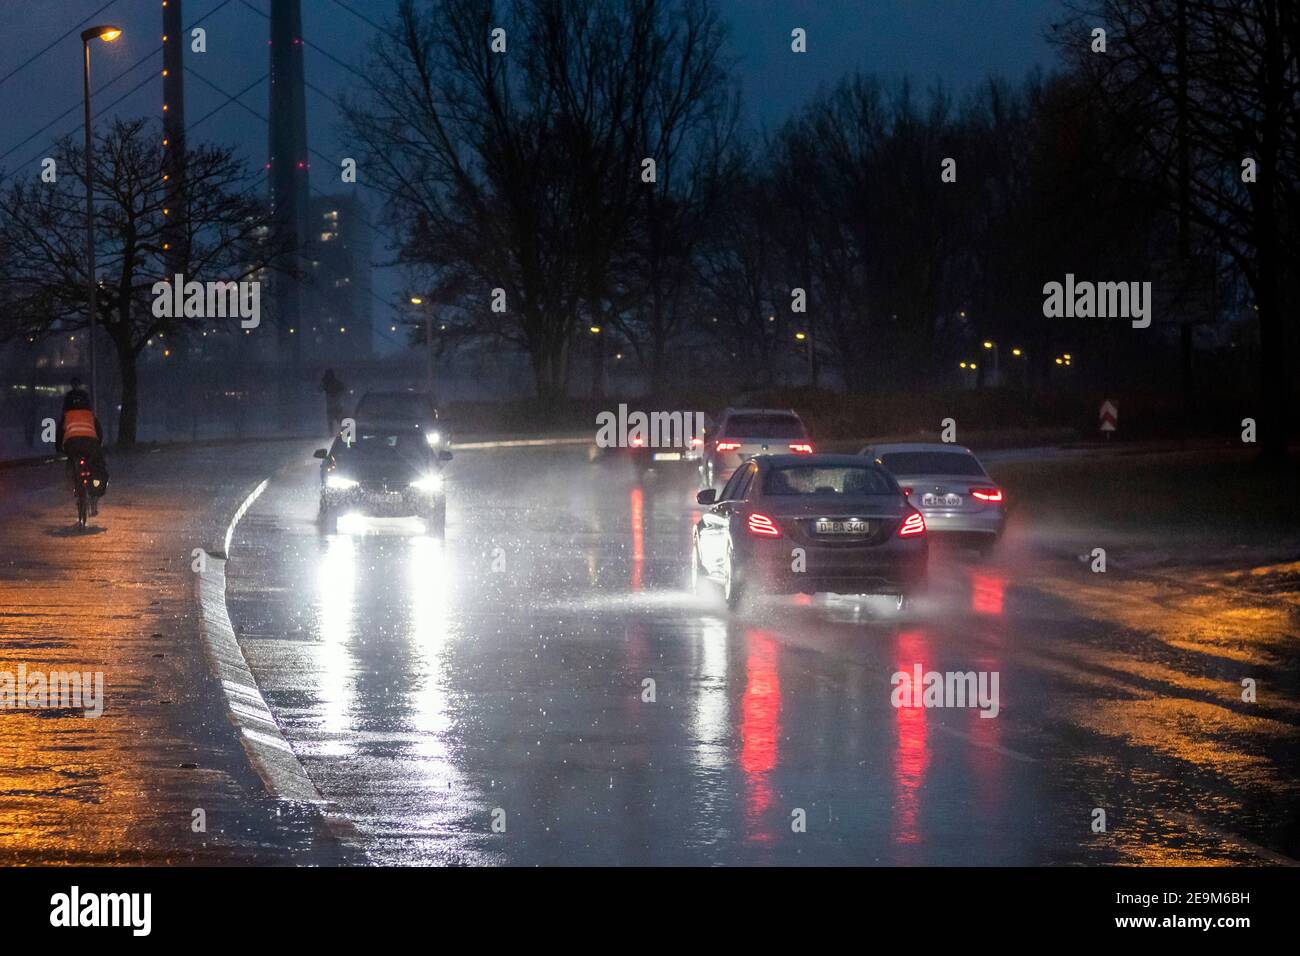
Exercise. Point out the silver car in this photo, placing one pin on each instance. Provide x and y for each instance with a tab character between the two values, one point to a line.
742	433
949	486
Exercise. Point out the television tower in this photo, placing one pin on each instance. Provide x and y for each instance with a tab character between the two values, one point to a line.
289	168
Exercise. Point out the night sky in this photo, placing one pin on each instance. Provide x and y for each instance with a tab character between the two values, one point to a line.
957	42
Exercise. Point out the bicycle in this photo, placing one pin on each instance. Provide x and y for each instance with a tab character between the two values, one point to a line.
82	478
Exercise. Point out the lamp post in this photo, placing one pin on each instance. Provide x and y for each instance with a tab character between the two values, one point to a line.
108	34
428	344
997	361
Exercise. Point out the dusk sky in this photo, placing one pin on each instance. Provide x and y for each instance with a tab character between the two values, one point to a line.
957	42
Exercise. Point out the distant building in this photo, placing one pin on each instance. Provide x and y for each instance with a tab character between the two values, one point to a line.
337	317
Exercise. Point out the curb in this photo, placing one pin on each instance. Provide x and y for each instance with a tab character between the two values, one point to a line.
264	744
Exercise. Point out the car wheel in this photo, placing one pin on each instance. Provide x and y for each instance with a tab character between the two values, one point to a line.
329	519
733	588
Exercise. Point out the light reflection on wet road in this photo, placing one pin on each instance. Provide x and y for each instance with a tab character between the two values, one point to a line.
427	683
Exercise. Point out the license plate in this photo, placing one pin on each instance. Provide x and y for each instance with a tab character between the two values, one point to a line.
941	501
829	526
384	497
658	456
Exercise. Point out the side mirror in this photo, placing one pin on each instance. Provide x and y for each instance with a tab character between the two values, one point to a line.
707	497
444	455
319	453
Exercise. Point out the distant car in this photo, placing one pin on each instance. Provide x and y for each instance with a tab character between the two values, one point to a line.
855	531
399	409
383	473
742	433
680	452
950	487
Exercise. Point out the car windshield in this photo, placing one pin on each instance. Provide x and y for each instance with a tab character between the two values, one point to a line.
394	407
763	426
373	447
851	481
932	463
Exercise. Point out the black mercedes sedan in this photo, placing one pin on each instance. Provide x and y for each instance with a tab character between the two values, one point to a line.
807	523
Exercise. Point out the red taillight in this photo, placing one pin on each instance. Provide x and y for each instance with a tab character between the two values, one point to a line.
907	492
637	441
987	494
695	442
727	445
761	524
801	448
912	524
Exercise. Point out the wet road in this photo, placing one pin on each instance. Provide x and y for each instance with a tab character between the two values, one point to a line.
434	688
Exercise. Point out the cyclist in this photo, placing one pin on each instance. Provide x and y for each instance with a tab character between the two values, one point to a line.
79	435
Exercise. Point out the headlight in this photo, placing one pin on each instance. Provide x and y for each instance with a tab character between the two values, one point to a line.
429	483
433	438
339	483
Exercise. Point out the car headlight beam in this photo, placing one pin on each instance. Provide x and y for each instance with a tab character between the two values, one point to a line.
339	483
431	484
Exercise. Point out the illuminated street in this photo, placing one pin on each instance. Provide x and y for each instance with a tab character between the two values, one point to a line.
422	690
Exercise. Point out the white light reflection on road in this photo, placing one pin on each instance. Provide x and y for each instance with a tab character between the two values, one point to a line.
336	582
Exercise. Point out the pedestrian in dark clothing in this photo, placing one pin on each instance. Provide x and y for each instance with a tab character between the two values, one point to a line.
335	392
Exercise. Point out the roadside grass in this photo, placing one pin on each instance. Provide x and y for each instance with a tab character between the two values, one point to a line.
1207	503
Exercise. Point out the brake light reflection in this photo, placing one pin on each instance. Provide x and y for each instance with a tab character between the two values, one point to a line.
911	749
638	537
760	731
986	593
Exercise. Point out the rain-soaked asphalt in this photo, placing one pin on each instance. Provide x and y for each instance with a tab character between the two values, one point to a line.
434	688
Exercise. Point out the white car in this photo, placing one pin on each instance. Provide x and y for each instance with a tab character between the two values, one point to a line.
949	486
742	433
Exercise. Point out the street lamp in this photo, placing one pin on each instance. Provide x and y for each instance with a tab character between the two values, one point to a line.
997	360
108	34
428	342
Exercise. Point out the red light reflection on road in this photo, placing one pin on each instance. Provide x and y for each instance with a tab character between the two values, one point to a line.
760	712
986	592
912	755
638	536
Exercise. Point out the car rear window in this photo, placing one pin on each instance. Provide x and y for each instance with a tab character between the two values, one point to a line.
763	426
932	463
850	481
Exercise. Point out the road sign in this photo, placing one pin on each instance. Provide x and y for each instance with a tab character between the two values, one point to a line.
1108	417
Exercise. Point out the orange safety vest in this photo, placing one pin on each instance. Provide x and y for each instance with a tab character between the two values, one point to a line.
79	423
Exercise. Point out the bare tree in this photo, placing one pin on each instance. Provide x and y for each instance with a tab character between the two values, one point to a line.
1209	87
43	279
519	168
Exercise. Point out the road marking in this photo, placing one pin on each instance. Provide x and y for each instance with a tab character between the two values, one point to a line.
241	511
522	443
